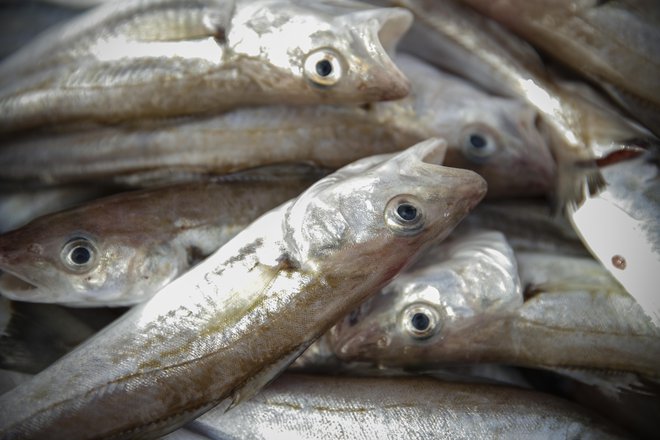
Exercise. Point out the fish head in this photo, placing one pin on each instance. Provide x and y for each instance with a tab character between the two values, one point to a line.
380	211
504	141
63	259
327	51
424	313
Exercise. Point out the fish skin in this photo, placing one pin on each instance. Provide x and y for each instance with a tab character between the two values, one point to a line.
235	321
517	162
528	224
616	44
467	280
157	58
631	204
563	296
451	34
19	207
322	407
141	241
451	107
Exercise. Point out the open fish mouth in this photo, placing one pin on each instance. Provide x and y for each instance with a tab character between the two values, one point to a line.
393	23
380	31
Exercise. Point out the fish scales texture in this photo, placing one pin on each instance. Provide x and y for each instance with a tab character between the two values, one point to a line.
609	42
317	407
157	58
515	158
453	35
134	243
245	312
574	316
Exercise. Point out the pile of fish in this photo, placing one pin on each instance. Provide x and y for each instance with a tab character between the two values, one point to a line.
416	218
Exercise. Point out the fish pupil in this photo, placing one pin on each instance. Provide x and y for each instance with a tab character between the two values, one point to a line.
80	255
324	68
477	141
406	211
420	321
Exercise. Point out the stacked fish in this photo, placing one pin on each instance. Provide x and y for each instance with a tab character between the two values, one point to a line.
268	185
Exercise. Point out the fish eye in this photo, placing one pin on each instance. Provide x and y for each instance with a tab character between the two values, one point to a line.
478	144
79	254
420	321
403	215
323	67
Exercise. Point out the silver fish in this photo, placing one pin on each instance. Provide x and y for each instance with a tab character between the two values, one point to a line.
157	58
580	34
454	36
317	407
511	152
628	243
234	322
120	250
574	315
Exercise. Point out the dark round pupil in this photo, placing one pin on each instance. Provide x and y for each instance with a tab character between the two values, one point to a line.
477	141
80	255
420	321
406	211
324	67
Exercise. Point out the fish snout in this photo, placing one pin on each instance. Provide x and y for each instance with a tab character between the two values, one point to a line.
380	30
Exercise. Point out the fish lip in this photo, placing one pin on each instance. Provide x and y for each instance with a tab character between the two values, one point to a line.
386	27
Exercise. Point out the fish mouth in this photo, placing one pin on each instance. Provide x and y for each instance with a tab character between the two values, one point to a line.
380	30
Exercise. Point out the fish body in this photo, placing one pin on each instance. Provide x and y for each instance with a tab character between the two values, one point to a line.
511	152
628	243
120	250
230	325
318	407
453	35
157	58
21	206
616	44
574	316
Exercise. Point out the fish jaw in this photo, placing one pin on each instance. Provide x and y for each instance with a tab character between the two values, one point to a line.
378	32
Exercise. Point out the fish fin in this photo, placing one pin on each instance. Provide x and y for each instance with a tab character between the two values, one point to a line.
610	383
575	182
250	388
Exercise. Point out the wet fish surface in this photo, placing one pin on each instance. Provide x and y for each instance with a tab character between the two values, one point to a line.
454	36
574	316
120	250
494	136
234	322
616	44
317	407
157	58
19	207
